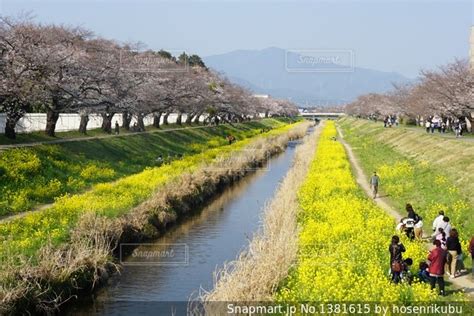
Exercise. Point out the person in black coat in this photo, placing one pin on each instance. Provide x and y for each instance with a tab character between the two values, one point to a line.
454	249
396	260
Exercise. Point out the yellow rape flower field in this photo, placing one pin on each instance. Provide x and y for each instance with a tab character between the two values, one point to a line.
344	238
23	237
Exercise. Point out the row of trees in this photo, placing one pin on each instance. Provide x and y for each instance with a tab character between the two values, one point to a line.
56	69
447	92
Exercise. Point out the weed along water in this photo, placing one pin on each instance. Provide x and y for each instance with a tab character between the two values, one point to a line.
160	277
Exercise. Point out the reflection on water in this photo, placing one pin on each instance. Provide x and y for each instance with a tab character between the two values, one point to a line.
215	235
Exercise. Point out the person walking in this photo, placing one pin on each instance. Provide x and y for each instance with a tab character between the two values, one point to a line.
454	249
437	259
443	127
374	183
428	125
457	128
396	249
117	128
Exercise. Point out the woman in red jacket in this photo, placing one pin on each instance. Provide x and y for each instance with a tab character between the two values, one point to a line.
437	258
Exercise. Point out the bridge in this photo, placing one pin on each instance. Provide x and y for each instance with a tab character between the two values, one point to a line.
321	115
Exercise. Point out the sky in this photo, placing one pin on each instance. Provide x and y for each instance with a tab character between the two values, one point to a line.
399	36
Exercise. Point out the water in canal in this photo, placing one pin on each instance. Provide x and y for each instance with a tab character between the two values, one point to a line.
189	253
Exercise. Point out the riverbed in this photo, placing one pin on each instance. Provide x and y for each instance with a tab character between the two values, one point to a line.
162	276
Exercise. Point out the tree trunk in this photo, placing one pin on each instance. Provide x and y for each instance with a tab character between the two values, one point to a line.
126	119
197	117
51	120
189	118
165	118
179	118
470	128
140	123
156	119
83	123
10	127
266	113
107	122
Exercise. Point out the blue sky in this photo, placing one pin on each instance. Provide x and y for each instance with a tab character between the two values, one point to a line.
400	36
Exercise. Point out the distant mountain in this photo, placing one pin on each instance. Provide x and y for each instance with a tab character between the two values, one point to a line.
306	78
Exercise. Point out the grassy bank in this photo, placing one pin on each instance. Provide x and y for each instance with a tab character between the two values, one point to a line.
40	136
69	246
432	173
258	270
40	174
344	238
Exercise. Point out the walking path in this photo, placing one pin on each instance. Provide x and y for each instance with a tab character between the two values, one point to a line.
66	140
10	217
463	282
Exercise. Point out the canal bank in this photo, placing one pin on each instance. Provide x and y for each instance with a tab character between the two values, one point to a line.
189	192
216	235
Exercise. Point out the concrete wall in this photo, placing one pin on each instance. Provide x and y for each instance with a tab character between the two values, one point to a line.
33	122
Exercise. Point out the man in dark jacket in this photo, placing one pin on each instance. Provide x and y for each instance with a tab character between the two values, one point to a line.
437	258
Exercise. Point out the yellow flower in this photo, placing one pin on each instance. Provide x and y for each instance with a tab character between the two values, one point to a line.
343	242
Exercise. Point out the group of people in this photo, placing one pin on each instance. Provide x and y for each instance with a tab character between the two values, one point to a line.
437	123
412	224
445	257
390	120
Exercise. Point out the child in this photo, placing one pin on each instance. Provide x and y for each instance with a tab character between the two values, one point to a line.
423	274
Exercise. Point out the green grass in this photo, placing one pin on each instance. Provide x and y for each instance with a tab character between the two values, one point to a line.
448	133
24	236
40	136
431	173
37	175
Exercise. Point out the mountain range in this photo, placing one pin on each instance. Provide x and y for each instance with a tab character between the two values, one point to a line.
307	78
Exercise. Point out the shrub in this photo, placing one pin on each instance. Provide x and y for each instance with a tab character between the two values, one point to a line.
93	172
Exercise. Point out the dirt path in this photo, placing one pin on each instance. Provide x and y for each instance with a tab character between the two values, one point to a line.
7	218
463	282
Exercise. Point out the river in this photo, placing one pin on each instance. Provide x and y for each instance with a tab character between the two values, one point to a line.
159	278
